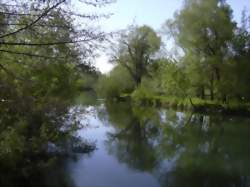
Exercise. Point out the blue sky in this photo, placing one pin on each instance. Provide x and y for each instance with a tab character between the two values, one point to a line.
153	12
150	12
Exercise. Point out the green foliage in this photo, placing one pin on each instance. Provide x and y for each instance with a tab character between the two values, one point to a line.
169	78
12	144
213	65
205	43
114	84
41	71
142	95
236	73
136	51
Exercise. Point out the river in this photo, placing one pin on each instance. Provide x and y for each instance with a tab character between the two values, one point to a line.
149	147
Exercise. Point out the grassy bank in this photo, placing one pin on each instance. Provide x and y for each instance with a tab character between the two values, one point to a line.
194	104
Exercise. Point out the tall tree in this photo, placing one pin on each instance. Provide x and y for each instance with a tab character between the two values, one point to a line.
203	29
237	73
136	51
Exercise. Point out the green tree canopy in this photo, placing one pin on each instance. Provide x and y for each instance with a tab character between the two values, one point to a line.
204	29
136	50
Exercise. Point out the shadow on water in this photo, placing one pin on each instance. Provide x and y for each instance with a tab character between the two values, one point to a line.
41	174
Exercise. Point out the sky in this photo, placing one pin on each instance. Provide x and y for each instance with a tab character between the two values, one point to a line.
150	12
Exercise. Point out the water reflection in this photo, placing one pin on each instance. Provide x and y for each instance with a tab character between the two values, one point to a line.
148	147
181	149
135	136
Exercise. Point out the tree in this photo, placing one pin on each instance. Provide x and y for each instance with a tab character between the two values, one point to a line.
136	51
44	51
117	82
237	73
172	78
27	27
204	29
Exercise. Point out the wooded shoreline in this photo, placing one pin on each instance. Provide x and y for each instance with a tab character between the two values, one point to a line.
192	104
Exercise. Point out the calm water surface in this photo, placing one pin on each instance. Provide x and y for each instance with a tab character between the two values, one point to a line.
147	147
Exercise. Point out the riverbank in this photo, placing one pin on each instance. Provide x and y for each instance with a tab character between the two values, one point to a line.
194	104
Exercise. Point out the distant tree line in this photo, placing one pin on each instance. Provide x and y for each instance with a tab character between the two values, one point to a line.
212	61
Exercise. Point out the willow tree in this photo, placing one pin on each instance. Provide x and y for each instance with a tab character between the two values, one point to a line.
204	29
136	50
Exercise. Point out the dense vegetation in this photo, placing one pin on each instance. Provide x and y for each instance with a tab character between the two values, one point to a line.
45	57
46	54
210	68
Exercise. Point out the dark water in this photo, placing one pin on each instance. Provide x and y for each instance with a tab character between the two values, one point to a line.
148	147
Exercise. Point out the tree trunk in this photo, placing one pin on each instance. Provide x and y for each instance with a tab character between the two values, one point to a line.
212	88
224	98
202	92
212	94
138	81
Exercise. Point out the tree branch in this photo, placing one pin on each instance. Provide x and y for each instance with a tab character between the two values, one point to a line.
30	54
18	14
34	22
129	50
37	25
68	13
50	43
130	71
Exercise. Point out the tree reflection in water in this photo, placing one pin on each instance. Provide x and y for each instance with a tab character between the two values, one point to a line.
181	149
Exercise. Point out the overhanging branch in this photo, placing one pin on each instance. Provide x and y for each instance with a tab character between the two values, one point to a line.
30	54
36	25
49	43
33	22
